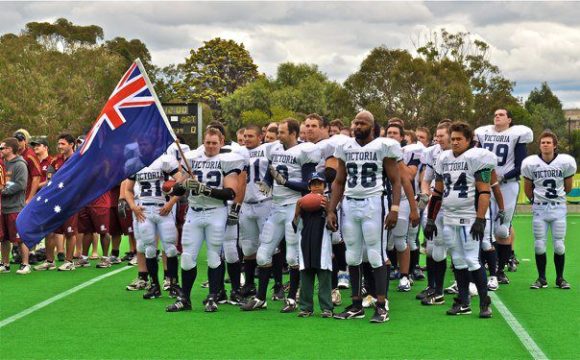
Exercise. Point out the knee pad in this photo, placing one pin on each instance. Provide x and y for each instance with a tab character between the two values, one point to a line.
292	256
187	261
140	247
559	248
335	237
429	248
231	252
170	249
486	245
540	247
352	259
400	243
375	258
262	258
472	264
150	252
439	253
249	247
502	231
458	261
213	259
390	243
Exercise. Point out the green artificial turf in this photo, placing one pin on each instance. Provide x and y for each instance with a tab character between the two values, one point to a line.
104	321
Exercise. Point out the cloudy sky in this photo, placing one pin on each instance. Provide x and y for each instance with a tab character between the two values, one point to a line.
531	42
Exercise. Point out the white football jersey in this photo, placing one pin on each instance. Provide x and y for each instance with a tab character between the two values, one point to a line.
412	157
327	148
364	165
149	180
548	178
429	158
174	151
211	171
289	163
458	176
257	172
503	144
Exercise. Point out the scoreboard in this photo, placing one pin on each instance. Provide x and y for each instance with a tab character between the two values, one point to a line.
185	119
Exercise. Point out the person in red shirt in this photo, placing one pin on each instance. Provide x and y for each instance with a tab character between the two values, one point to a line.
2	184
34	170
40	147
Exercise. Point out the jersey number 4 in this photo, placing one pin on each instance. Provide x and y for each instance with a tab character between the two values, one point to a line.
460	185
368	175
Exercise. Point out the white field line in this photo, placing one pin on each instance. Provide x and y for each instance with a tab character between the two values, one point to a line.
57	297
518	329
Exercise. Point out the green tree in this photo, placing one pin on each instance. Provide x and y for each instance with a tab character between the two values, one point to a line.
216	70
546	113
64	34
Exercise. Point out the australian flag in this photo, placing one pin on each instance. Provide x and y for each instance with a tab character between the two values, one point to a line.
129	134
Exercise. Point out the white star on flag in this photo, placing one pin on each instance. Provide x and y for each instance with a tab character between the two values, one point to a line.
39	198
61	185
57	209
49	183
45	201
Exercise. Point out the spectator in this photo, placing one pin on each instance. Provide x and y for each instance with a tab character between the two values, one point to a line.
13	201
32	163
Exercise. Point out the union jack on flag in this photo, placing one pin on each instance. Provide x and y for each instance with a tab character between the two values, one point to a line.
138	132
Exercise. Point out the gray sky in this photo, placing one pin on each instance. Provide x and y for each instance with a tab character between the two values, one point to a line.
530	41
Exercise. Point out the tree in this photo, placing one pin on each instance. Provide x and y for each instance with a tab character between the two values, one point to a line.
130	50
63	34
543	96
546	112
216	70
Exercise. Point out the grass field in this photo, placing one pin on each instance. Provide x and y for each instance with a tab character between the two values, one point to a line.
104	321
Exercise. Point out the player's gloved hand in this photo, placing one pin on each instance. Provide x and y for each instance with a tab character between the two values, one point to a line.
176	190
190	183
430	229
264	188
122	208
478	229
422	201
234	215
198	188
500	216
279	178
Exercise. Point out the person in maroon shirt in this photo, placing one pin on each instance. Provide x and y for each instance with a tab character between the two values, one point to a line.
34	171
2	184
40	147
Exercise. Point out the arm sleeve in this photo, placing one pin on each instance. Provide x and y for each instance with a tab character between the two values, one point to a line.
520	154
302	186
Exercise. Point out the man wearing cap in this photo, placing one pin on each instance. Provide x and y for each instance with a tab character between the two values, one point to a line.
40	147
32	163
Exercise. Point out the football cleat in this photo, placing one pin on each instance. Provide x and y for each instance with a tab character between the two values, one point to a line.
369	301
204	284
458	308
452	289
128	256
473	290
492	284
278	293
4	268
153	292
211	304
114	260
45	266
174	291
235	298
394	274
418	274
289	306
502	278
67	266
137	284
82	262
343	280
336	297
305	313
351	312
424	293
326	314
179	305
539	284
512	264
561	283
24	269
254	304
222	297
404	284
105	263
381	315
166	284
133	261
248	290
485	308
433	299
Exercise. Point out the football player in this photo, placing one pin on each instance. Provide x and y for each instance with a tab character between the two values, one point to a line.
508	142
548	177
154	216
291	165
256	206
214	184
402	237
362	161
462	189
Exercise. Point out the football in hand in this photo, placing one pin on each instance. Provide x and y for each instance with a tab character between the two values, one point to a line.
311	202
167	186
